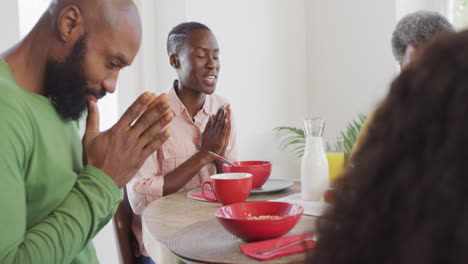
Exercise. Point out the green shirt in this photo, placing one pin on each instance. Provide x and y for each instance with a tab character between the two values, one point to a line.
51	207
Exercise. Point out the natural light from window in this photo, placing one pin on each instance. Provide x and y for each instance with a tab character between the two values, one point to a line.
29	13
458	13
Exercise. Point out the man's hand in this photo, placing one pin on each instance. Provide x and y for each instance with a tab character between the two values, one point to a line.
215	138
121	150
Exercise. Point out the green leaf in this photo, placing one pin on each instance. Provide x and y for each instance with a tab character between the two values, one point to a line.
291	136
299	154
347	144
290	140
294	130
356	125
351	134
299	148
301	141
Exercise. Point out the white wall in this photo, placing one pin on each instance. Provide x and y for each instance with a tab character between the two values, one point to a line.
404	7
350	63
9	29
150	71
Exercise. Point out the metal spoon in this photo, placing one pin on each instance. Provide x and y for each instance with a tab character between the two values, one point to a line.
220	158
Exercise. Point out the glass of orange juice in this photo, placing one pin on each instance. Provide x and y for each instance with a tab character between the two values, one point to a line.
335	155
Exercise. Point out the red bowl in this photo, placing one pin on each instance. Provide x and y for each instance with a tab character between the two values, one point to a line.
260	170
235	219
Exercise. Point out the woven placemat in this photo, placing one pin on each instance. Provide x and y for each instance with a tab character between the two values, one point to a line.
209	242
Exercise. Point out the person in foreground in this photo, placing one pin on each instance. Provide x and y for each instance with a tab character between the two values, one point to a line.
202	122
409	36
405	199
57	192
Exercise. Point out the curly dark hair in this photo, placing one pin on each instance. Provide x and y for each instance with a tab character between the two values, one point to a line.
405	199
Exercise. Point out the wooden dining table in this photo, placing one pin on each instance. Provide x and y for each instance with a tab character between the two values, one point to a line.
168	217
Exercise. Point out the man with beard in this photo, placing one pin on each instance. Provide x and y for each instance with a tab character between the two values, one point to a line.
57	192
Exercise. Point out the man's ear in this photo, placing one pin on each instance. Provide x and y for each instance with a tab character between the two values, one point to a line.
409	56
70	24
174	61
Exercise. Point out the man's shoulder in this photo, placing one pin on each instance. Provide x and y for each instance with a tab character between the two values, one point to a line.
12	101
15	123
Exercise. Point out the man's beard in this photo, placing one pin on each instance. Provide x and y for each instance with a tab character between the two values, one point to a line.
65	83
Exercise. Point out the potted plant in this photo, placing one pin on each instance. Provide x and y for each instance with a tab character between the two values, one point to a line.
294	137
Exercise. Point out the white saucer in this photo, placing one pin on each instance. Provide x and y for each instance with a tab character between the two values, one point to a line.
273	185
189	195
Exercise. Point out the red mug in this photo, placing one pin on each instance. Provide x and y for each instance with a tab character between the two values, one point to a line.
229	188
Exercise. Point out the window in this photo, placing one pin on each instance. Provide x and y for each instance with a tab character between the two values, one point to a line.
458	13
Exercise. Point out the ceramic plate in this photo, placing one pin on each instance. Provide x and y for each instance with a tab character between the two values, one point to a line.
273	185
189	195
